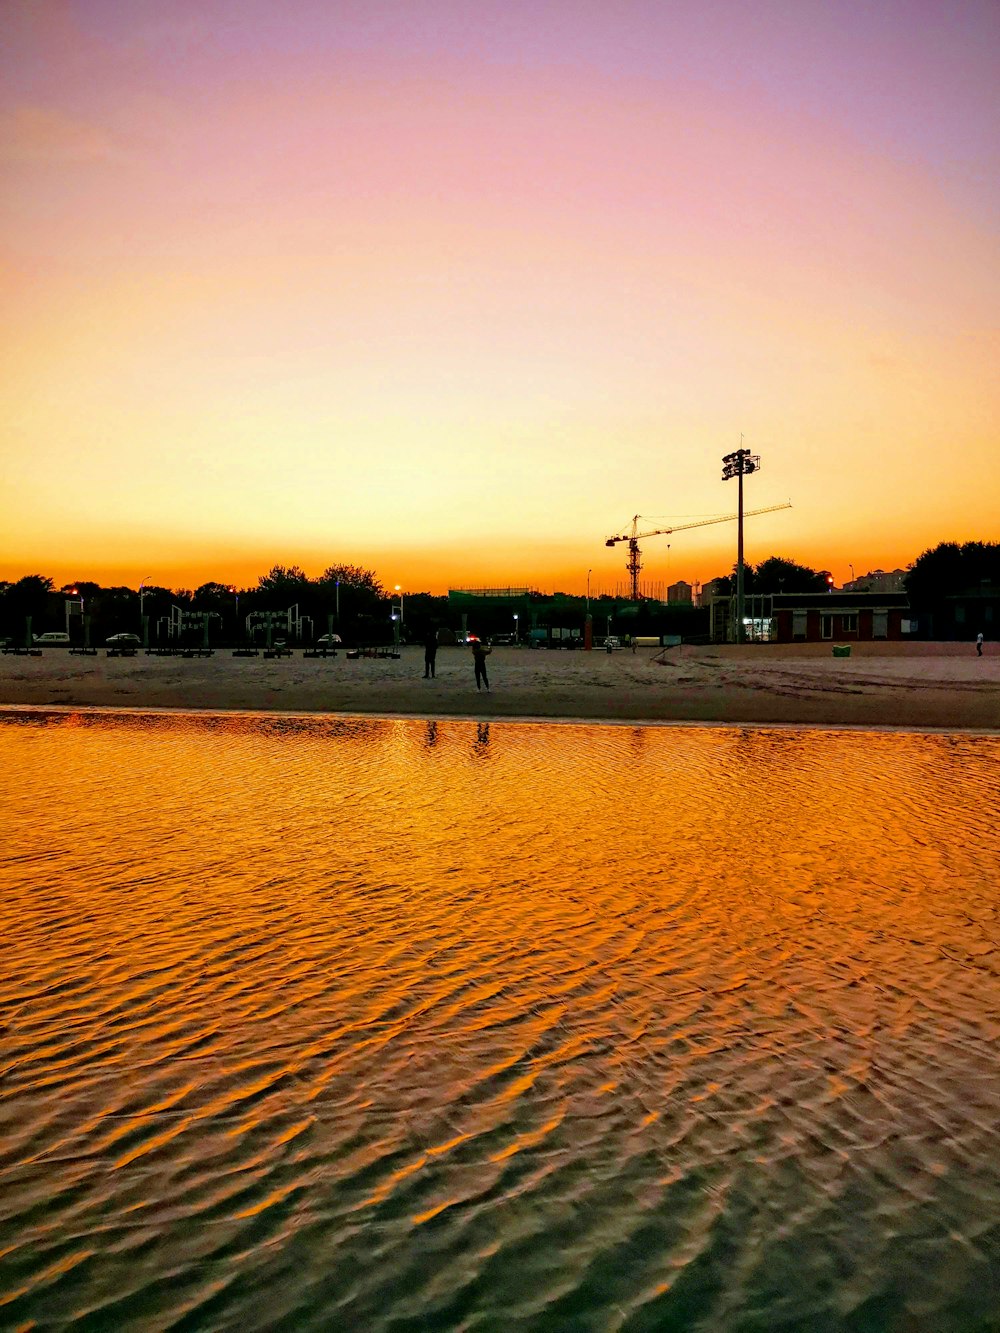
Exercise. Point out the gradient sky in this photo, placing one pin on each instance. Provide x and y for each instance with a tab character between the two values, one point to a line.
452	290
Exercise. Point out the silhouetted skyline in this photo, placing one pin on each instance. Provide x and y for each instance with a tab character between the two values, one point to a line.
456	291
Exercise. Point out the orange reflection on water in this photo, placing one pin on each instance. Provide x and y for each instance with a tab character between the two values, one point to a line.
277	968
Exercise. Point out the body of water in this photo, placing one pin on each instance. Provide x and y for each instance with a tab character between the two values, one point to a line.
314	1023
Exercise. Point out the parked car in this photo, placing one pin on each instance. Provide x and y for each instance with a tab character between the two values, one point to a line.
50	638
328	641
123	641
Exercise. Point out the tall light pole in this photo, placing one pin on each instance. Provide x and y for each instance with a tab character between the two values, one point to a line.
73	592
739	464
588	591
400	591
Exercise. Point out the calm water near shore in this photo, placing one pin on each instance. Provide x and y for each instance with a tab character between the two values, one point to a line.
369	1024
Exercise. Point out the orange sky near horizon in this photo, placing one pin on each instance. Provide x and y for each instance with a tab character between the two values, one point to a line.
376	284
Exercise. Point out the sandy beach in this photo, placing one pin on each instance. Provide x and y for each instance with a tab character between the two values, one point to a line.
896	685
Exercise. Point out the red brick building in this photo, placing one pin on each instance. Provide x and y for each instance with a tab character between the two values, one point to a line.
838	617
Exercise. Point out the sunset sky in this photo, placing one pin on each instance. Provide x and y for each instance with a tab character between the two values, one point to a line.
453	289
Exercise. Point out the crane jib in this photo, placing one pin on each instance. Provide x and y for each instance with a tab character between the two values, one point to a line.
633	538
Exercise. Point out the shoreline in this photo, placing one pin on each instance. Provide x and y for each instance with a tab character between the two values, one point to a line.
506	719
887	686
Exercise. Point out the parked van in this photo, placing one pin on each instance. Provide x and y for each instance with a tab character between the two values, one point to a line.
50	639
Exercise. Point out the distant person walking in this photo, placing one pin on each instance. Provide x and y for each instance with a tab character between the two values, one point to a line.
480	652
430	653
979	644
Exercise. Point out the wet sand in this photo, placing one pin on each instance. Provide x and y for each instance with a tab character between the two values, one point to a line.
895	685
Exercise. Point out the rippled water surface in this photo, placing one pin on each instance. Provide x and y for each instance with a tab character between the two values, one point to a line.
374	1024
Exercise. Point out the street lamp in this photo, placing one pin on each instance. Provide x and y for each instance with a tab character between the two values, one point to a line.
739	464
236	593
142	595
588	591
73	592
400	591
516	618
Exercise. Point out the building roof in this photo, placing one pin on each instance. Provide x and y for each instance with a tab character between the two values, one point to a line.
838	601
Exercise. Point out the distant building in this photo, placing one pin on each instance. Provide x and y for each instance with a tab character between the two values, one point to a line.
715	588
680	592
878	581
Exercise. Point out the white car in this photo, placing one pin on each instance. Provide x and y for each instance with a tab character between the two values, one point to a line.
123	641
51	637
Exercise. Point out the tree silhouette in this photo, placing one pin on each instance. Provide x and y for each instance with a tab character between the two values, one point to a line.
949	569
776	574
283	583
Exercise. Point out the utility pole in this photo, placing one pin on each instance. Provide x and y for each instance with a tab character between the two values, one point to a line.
739	464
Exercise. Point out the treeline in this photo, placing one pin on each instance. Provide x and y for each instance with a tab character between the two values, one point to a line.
348	599
352	601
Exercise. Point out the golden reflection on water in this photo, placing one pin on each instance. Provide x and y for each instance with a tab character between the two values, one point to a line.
520	1022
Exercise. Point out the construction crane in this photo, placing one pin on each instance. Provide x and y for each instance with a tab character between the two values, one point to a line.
634	537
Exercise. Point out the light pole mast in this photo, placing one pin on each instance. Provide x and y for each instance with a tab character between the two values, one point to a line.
739	464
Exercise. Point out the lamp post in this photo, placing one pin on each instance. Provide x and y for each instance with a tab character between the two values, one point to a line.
588	591
142	595
851	568
73	592
236	593
516	618
739	464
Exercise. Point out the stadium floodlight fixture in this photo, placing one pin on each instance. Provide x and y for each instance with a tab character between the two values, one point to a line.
740	463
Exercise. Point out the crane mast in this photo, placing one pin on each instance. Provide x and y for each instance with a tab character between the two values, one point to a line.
634	537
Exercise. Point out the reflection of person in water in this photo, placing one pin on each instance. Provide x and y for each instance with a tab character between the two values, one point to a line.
430	651
480	652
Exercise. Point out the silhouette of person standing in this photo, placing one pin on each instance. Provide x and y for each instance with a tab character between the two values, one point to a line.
430	652
979	644
479	655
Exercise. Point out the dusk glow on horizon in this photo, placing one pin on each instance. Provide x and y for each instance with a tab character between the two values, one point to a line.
454	290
